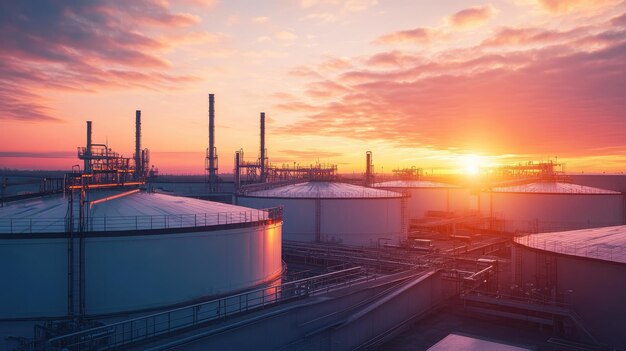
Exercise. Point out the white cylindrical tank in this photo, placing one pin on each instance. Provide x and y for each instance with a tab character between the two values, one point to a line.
426	196
552	206
141	251
583	269
332	212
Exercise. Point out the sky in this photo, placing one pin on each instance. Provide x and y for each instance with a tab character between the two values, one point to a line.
432	84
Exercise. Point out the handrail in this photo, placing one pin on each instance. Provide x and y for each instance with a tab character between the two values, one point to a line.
371	193
147	222
146	327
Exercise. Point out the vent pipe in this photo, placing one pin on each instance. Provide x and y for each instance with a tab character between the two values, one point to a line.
87	166
212	154
138	163
263	176
368	168
237	179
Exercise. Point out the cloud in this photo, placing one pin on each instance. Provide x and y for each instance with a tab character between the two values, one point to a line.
335	64
471	17
420	35
261	19
393	58
359	5
619	20
87	46
285	35
564	6
326	88
325	17
18	104
526	36
559	97
304	71
343	5
233	20
467	18
308	3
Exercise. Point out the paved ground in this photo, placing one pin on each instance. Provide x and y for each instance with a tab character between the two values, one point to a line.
437	326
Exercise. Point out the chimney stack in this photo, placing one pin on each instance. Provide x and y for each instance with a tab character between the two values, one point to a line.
138	163
87	166
368	168
263	147
212	167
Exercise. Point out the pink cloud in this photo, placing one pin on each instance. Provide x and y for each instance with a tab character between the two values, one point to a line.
558	99
87	46
392	58
304	71
472	16
563	6
523	36
417	35
325	89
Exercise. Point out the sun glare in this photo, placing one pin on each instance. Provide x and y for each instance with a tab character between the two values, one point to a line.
470	164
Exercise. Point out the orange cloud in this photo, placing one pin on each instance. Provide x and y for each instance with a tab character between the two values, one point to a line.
393	58
471	17
515	101
418	35
87	46
524	36
285	35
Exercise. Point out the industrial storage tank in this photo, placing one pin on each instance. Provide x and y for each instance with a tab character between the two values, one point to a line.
333	212
552	206
136	251
427	196
583	270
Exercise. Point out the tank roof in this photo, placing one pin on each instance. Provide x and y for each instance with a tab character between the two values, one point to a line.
607	243
48	213
467	343
552	188
413	184
327	190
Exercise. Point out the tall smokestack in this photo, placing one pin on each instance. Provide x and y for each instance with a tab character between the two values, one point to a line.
212	154
138	163
237	170
263	146
87	166
368	168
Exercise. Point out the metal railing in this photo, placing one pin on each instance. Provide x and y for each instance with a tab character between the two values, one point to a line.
370	193
533	226
575	248
121	223
147	327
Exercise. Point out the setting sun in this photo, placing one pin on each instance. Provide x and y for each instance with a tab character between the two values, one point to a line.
470	164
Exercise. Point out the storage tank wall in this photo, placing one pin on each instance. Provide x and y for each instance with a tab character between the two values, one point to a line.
147	271
554	212
595	289
592	287
298	215
34	275
362	222
422	200
528	212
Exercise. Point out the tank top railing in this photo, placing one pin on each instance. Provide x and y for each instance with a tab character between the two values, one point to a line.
146	222
327	194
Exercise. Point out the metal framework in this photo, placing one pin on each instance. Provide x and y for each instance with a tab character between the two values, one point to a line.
412	173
